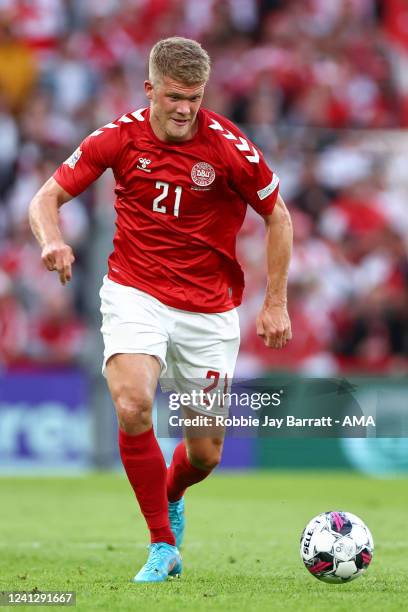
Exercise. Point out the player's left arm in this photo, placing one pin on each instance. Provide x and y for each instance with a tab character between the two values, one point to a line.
273	322
251	177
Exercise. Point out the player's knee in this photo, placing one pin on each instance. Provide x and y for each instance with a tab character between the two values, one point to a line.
207	458
134	417
134	408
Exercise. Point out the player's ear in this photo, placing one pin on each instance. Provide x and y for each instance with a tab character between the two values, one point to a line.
148	86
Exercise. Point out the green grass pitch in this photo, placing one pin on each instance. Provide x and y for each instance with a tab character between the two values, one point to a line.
241	550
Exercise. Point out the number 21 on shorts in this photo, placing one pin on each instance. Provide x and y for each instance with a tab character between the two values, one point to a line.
215	377
164	188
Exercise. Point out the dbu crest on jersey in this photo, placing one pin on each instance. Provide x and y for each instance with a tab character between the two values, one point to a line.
203	174
73	159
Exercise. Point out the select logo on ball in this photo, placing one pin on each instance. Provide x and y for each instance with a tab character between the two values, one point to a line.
203	174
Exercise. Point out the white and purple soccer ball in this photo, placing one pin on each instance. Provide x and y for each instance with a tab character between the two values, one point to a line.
336	547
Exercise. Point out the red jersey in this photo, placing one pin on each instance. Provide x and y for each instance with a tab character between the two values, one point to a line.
179	206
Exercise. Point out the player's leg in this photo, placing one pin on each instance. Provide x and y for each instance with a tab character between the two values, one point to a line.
135	352
132	381
194	458
204	351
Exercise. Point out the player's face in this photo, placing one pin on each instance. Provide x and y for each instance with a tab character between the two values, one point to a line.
173	108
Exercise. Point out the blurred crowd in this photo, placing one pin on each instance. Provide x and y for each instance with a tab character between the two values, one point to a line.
320	85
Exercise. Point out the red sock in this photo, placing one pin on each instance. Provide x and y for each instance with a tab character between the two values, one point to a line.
146	470
181	474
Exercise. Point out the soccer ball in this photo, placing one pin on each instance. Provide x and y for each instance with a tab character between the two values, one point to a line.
336	547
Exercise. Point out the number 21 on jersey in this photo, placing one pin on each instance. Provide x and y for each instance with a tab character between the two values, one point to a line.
164	188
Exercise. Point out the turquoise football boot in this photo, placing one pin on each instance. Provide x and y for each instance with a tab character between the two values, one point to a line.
164	560
177	520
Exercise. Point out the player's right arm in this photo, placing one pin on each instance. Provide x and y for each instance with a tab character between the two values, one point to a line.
97	152
43	215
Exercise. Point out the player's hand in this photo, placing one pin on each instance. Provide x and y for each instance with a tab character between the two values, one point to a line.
58	256
273	325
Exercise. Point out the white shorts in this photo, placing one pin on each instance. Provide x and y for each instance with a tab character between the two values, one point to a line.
191	346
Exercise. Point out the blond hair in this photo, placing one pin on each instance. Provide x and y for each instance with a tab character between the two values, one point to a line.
181	59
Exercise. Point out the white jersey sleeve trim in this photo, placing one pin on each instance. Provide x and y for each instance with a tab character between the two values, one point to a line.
242	145
266	191
137	114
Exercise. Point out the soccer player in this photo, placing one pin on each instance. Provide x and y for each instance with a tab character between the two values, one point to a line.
184	176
